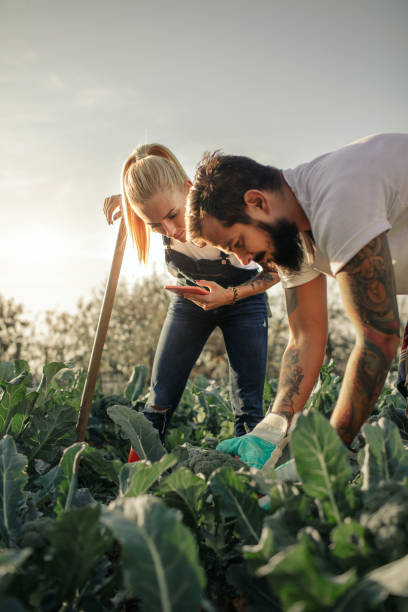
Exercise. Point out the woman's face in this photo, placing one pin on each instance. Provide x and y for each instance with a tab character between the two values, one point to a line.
164	212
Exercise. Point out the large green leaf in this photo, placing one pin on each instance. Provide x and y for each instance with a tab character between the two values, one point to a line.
392	577
45	486
49	371
326	390
137	478
21	414
12	397
105	468
385	457
256	594
68	484
159	554
6	370
136	384
10	562
301	578
236	499
260	553
387	523
51	428
20	366
11	604
376	586
12	495
184	490
284	524
135	427
349	543
16	404
321	461
78	541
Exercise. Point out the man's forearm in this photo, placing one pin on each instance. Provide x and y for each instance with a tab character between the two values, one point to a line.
367	289
257	284
303	356
299	371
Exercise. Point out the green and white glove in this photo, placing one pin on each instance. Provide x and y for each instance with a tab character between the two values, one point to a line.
265	442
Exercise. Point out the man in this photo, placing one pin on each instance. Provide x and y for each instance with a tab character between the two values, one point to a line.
344	214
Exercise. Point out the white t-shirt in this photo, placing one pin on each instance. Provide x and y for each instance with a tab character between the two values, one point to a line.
208	252
350	196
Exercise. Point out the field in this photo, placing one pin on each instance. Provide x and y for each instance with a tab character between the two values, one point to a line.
183	530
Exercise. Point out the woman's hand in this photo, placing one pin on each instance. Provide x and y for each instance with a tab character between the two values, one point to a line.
112	208
217	297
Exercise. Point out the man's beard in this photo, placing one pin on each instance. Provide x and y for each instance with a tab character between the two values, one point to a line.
287	246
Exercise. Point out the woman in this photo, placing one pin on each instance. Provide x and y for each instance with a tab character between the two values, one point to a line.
154	192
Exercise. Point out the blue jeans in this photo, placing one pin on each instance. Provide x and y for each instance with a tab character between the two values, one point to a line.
186	329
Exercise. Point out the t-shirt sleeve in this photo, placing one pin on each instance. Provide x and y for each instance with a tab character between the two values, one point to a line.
294	279
351	214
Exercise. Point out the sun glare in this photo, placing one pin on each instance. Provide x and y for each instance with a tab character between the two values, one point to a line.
132	270
43	245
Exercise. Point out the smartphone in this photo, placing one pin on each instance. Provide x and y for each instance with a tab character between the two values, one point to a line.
187	289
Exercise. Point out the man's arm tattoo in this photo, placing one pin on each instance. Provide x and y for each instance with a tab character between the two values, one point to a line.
372	286
290	380
262	281
291	300
368	290
371	371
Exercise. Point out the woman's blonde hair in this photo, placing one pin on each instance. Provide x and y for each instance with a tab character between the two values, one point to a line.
149	169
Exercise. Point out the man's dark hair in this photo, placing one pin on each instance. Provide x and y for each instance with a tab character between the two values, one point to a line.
220	183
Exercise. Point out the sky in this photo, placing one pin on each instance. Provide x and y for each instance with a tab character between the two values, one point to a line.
84	82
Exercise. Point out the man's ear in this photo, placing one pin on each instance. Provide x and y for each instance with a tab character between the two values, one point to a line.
256	201
187	185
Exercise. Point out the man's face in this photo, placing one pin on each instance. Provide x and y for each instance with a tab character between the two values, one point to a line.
266	243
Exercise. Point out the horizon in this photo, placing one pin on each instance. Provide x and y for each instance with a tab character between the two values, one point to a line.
82	84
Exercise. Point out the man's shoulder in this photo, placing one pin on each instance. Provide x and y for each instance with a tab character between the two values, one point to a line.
356	157
357	170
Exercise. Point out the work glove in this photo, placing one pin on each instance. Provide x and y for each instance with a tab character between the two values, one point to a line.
265	442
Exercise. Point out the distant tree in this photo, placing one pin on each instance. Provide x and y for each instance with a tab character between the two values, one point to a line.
133	332
137	318
14	329
136	321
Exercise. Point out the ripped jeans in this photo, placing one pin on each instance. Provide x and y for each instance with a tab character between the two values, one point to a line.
244	326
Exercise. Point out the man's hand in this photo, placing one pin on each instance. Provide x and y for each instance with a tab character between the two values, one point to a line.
252	450
112	208
256	448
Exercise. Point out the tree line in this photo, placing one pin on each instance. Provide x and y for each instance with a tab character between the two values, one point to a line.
134	330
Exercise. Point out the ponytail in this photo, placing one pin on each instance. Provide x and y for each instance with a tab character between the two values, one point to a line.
149	169
136	227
